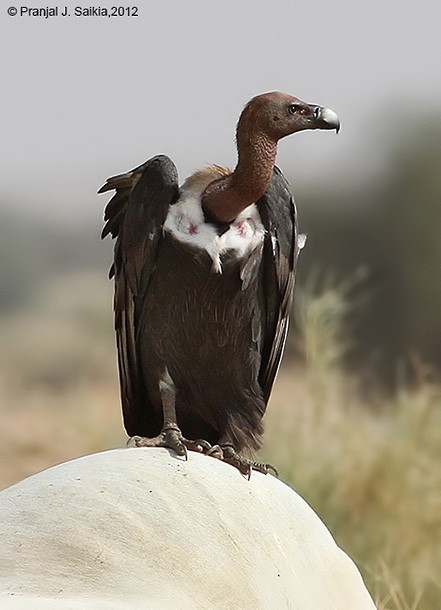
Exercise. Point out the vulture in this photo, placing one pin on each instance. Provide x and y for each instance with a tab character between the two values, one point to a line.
204	276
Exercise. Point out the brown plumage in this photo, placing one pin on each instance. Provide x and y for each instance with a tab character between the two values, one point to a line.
204	277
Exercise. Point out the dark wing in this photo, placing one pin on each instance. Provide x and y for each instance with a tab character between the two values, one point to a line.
278	213
135	216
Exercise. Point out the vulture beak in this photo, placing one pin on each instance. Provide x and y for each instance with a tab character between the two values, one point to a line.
324	118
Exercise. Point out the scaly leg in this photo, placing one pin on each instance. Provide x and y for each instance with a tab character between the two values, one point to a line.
170	436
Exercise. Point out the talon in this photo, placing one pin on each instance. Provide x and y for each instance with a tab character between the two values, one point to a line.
171	437
245	466
205	445
265	468
199	445
181	450
272	468
134	441
216	452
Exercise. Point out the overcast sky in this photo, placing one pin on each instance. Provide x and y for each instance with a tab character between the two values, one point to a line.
86	97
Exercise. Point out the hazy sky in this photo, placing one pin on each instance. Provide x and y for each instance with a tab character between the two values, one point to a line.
86	97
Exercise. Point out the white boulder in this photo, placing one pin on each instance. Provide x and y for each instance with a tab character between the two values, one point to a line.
140	528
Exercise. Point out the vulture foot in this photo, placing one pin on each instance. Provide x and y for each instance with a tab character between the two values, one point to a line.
228	454
171	438
216	451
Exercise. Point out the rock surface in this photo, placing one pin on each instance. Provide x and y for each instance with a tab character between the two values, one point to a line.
140	528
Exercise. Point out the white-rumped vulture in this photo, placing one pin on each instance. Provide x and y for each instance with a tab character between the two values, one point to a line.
204	277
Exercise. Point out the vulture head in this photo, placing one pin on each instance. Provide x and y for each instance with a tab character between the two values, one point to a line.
264	121
277	115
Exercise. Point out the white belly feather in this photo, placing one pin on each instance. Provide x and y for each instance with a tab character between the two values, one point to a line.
186	222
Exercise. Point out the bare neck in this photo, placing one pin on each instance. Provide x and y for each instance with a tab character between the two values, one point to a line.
224	199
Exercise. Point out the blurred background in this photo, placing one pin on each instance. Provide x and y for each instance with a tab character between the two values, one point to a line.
354	422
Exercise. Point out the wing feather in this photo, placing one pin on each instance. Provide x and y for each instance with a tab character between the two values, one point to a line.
135	216
278	213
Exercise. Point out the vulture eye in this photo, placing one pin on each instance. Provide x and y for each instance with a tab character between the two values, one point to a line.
293	108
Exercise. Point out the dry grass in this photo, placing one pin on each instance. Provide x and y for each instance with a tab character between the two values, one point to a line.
372	475
369	469
58	385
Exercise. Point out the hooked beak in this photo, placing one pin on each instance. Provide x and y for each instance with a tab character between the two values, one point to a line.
324	118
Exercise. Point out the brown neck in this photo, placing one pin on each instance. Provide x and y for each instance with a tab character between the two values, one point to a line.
224	199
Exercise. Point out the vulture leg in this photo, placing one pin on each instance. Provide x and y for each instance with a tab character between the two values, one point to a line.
227	453
170	436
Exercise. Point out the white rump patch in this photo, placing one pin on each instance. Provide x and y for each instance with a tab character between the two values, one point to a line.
186	222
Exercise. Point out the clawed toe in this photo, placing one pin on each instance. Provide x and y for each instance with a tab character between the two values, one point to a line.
216	451
140	441
244	465
171	438
199	445
265	468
